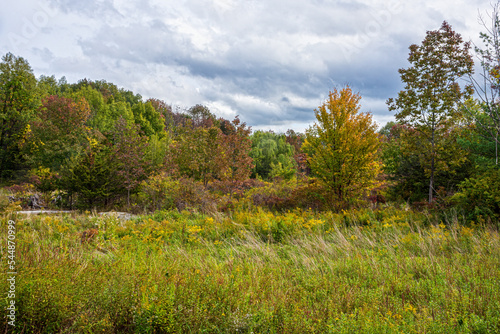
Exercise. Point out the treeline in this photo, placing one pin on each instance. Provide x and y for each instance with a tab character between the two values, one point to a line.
91	144
96	143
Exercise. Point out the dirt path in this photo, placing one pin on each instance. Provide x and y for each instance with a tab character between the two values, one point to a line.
120	215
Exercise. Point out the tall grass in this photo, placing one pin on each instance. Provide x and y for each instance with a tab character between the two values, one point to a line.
384	271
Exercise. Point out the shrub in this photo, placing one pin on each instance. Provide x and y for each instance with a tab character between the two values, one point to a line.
162	192
479	196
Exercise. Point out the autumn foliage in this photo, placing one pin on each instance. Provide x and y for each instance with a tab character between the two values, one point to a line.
342	146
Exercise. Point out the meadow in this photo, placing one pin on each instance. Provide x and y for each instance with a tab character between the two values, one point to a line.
384	270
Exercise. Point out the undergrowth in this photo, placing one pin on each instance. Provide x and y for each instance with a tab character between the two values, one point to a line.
368	271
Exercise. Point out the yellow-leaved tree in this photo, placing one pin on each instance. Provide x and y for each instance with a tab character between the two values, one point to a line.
342	146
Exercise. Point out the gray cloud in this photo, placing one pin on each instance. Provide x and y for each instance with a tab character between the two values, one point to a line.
270	62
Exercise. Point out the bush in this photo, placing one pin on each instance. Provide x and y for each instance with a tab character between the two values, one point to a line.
44	180
479	196
286	195
162	192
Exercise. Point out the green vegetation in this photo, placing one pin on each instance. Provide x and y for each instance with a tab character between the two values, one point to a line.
374	271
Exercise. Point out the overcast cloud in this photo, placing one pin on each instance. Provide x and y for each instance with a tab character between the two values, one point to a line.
271	62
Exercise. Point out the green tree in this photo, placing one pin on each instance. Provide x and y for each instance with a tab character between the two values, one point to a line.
272	155
429	102
149	119
18	103
342	146
90	177
58	132
196	153
128	156
47	86
105	112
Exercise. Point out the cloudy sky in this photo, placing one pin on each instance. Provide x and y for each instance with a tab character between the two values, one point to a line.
270	61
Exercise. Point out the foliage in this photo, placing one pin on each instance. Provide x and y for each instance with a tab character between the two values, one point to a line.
430	99
47	86
44	179
18	101
272	155
149	119
477	136
89	177
479	196
127	155
235	144
207	153
403	163
200	115
104	111
59	131
162	192
385	271
196	153
342	146
296	140
157	150
286	195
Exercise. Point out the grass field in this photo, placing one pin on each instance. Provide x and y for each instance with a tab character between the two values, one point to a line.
389	270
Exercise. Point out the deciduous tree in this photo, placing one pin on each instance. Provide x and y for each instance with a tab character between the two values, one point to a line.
128	156
58	132
342	146
18	103
430	100
272	155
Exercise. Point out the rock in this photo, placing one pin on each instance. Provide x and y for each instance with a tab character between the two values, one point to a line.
34	202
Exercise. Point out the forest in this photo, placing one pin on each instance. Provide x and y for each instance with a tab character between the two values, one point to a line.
346	227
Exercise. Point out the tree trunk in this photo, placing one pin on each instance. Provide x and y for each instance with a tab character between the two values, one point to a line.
431	181
431	186
496	149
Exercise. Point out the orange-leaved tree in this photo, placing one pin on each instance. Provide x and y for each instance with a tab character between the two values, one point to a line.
342	146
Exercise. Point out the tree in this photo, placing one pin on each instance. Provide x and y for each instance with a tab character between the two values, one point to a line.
272	155
487	86
400	164
234	140
201	115
128	156
104	111
90	176
165	110
58	132
402	161
429	102
18	103
196	153
149	119
210	153
296	140
342	146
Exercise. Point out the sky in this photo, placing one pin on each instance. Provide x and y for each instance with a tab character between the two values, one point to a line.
272	62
